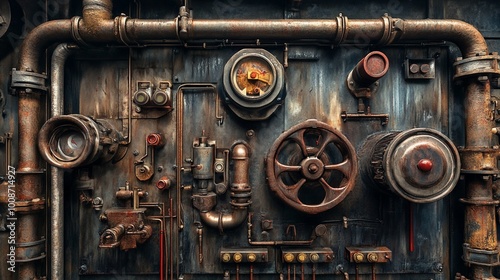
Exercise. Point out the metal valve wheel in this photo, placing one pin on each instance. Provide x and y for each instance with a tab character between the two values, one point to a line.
311	167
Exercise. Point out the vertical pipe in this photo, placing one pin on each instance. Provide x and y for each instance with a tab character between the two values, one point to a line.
29	178
59	57
480	225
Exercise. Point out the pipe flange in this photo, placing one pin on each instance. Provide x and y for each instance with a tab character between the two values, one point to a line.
389	33
480	257
28	80
479	160
75	32
480	65
121	30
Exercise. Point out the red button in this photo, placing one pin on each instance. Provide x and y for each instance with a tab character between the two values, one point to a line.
253	75
425	165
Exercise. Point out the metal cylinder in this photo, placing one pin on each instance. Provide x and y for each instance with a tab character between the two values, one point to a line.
371	68
69	141
240	189
421	165
203	159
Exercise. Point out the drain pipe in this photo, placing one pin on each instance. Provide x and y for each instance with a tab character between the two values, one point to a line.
59	57
240	194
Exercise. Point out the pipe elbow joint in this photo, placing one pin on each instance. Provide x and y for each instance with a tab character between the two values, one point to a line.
224	221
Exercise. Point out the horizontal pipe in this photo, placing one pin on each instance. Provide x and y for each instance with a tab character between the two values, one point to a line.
468	39
262	29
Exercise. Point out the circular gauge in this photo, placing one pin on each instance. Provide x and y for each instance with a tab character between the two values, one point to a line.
253	84
67	143
253	77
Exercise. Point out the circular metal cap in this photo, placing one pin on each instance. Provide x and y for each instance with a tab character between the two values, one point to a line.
422	165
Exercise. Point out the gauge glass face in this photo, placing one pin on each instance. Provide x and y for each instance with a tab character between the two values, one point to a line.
69	144
253	77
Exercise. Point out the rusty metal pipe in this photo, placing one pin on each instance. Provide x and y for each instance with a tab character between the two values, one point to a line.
240	193
224	220
464	35
40	38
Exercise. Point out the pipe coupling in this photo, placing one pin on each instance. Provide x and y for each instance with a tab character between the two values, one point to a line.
477	66
28	80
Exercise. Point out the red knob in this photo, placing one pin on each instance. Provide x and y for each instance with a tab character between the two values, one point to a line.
425	165
253	75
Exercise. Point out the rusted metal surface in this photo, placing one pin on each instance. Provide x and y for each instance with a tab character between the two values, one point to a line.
192	48
371	68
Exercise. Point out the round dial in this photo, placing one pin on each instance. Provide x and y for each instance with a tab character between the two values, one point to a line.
253	77
68	145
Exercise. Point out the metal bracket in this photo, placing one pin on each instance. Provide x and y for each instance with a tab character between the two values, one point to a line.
480	257
384	118
28	80
481	65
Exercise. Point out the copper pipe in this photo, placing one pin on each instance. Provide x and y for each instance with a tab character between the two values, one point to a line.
199	231
240	193
171	245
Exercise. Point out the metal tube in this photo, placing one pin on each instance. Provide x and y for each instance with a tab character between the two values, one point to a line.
261	29
224	220
40	38
464	35
240	192
59	57
29	176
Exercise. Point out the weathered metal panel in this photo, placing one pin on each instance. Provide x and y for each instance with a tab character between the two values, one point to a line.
425	240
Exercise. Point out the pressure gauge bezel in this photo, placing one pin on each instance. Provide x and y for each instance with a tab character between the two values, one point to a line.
249	59
258	107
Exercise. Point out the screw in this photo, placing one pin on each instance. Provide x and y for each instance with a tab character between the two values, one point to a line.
250	133
83	269
136	153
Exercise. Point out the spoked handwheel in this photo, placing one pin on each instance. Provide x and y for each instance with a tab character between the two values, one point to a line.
311	167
